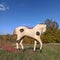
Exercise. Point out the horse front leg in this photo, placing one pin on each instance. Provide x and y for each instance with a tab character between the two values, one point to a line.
40	45
35	43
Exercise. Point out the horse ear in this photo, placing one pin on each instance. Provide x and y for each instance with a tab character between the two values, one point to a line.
46	27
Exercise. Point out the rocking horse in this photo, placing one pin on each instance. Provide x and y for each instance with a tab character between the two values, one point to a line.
35	33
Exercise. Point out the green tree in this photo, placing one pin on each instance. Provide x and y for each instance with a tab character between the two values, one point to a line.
52	34
51	24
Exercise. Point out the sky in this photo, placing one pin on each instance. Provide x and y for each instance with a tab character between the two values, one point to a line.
14	13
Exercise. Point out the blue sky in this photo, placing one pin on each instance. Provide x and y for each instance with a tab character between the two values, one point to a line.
14	13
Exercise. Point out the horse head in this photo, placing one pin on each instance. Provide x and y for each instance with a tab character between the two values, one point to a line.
41	27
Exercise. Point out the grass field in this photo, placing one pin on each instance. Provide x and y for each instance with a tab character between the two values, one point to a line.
49	52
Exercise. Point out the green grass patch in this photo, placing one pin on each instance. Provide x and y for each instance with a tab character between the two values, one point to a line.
49	52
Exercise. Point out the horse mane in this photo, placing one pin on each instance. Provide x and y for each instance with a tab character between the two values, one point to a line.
29	27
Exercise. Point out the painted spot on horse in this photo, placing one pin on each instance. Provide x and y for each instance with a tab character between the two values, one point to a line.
21	30
38	33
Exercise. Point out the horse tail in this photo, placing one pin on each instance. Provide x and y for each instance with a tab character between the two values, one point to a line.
14	32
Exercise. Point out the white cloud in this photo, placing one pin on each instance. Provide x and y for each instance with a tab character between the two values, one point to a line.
3	7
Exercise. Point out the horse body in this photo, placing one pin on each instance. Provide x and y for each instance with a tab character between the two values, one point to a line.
33	32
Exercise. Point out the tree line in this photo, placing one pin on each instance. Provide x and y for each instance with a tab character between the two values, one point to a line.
52	35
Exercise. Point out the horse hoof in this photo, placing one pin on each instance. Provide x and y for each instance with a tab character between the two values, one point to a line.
40	50
34	51
18	49
23	50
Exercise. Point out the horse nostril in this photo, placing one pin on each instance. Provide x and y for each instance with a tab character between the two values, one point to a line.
38	33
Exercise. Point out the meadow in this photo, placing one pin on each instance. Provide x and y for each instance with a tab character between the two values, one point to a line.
51	51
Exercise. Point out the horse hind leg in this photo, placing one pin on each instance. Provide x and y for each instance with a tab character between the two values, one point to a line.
22	45
40	45
17	42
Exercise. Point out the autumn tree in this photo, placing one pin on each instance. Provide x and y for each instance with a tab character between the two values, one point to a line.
53	33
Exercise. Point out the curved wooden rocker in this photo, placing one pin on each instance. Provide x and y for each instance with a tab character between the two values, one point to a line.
35	33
